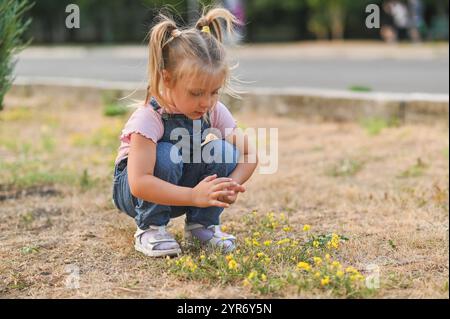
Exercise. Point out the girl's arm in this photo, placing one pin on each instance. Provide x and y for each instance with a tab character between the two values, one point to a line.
247	151
141	164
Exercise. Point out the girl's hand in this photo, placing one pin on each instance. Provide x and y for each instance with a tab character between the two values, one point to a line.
207	192
231	199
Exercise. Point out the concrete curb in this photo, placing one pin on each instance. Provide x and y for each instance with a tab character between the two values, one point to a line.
318	104
348	106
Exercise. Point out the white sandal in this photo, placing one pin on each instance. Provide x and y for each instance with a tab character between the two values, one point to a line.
217	240
158	236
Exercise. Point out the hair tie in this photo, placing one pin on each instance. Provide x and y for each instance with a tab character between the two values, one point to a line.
175	33
206	29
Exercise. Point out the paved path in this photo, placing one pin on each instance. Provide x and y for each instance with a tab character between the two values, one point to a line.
403	68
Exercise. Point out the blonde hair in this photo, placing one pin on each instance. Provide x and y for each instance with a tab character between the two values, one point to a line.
189	51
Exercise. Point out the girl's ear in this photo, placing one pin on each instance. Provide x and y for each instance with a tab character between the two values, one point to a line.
167	78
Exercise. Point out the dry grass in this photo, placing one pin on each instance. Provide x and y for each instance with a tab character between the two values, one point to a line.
388	192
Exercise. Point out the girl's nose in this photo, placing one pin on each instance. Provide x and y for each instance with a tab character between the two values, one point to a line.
205	103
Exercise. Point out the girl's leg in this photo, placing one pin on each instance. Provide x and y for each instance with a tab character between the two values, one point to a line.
122	198
221	164
148	213
202	223
151	238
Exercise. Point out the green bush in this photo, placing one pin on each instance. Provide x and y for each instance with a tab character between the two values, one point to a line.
12	26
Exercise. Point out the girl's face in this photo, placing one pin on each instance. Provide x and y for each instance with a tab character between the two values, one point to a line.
194	96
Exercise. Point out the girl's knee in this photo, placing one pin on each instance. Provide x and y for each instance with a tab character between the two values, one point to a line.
221	151
223	158
168	162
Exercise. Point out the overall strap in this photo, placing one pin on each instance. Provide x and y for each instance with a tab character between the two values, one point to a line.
154	104
166	116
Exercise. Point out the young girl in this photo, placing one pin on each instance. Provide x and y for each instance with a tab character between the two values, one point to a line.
154	178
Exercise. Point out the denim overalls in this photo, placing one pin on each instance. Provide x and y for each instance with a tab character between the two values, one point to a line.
184	173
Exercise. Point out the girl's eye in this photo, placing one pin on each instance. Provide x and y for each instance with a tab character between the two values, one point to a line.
198	94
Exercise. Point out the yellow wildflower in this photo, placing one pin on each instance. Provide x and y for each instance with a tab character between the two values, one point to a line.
246	282
252	275
306	227
325	281
315	244
263	277
232	264
267	243
190	264
304	266
356	277
339	274
257	234
255	243
287	228
317	260
202	257
351	269
327	257
317	274
336	264
260	254
283	241
224	228
229	257
334	242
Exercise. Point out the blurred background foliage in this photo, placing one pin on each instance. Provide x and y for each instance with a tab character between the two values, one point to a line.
128	21
12	27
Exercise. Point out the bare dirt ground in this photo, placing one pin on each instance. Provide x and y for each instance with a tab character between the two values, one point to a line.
388	192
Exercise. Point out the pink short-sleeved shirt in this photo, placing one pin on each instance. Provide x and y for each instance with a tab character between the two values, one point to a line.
148	122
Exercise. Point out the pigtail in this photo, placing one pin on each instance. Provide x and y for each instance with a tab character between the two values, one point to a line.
212	20
189	51
160	35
